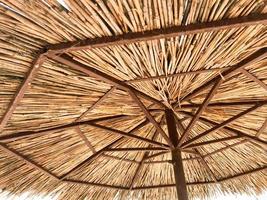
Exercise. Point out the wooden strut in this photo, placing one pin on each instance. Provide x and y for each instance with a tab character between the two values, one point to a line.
150	117
258	55
78	130
69	61
21	91
236	132
17	155
140	149
254	78
202	159
101	151
127	135
140	166
216	82
178	168
151	78
223	104
221	125
157	34
55	129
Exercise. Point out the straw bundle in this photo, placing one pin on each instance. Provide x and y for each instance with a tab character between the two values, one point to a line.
60	96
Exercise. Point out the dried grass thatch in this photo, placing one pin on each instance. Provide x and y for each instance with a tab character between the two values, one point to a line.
57	140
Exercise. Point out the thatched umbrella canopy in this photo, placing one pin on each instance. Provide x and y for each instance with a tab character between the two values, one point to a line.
134	99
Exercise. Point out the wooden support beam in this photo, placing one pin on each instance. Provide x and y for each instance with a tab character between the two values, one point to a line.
69	61
120	159
203	183
35	66
156	154
78	182
55	129
150	118
141	164
263	127
253	78
29	162
138	149
156	34
211	142
223	104
200	110
178	168
150	187
225	148
221	125
101	151
263	168
98	102
127	135
206	166
262	143
258	55
144	79
85	139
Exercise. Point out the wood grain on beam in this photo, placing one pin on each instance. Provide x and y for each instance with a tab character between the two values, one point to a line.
156	34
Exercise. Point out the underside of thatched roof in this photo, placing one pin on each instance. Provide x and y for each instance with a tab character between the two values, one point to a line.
84	87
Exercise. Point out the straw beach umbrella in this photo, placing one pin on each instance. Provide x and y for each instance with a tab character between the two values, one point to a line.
134	99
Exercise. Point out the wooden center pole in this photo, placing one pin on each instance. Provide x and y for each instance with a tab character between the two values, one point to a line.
176	157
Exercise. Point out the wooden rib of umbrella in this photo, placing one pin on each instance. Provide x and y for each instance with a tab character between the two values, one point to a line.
216	82
229	129
221	125
150	117
157	34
